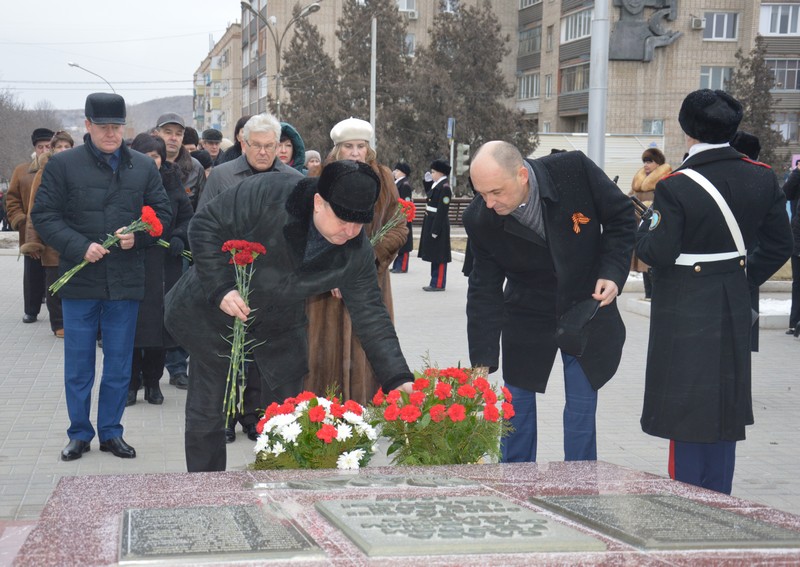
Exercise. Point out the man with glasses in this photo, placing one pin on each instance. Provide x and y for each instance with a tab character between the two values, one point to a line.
261	134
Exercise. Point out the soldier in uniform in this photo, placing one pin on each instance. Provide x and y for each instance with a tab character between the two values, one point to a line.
718	226
434	242
401	173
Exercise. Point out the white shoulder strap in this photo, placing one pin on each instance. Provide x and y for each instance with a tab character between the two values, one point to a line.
733	226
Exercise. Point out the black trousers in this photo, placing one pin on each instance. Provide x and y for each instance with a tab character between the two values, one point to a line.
53	301
33	286
794	314
149	362
253	408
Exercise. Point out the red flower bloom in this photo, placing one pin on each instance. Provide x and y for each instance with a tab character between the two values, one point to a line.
506	394
409	209
149	217
456	373
354	407
316	414
327	433
242	258
391	412
466	391
508	410
337	410
490	413
378	398
420	384
443	390
431	372
410	413
260	425
272	410
257	248
416	398
305	396
393	396
437	413
286	407
489	396
481	384
456	412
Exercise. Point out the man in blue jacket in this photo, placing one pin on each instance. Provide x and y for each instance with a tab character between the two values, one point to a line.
87	193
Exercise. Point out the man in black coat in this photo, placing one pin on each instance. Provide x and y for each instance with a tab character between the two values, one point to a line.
718	227
87	193
401	172
314	243
552	241
434	240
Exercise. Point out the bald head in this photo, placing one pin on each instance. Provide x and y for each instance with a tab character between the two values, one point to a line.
498	173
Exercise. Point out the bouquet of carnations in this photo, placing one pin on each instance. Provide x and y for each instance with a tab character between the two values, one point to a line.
452	416
312	432
405	212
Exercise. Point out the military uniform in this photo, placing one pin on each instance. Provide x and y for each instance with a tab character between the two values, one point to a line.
434	244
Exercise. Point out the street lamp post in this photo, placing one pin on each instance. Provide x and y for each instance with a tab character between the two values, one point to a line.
278	40
73	64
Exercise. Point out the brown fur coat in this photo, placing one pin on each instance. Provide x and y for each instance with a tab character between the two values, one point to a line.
643	187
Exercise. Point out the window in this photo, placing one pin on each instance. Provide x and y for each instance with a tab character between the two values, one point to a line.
449	6
549	38
577	25
545	127
528	86
548	86
786	73
246	100
262	87
245	58
787	124
530	41
406	5
581	125
653	127
715	78
779	19
526	3
411	44
720	25
575	79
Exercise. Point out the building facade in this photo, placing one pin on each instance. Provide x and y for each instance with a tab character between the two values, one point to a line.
217	85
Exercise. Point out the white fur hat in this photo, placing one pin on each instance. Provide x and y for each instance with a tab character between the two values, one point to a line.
351	129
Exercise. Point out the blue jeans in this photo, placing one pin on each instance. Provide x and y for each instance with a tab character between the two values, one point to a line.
580	432
117	322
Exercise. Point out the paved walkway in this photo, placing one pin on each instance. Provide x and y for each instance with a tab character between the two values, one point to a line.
33	418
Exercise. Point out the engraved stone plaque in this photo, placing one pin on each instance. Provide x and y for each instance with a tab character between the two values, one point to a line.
451	526
207	532
662	521
364	481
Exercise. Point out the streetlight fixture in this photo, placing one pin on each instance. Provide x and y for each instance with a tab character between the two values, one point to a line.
73	64
278	39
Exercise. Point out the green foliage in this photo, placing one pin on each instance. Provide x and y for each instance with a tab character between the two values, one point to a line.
750	84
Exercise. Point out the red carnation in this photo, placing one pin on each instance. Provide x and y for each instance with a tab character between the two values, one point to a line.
257	248
456	412
242	258
391	412
327	433
272	409
378	398
481	384
337	410
260	425
420	384
437	413
154	225
443	390
506	394
305	396
508	410
353	407
410	413
466	391
409	209
489	396
416	398
316	414
393	396
490	413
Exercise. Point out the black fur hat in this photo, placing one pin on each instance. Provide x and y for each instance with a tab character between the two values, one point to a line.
404	167
441	166
710	116
351	189
747	144
41	135
105	108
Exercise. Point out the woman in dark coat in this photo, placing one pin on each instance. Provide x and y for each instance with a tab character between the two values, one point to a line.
162	270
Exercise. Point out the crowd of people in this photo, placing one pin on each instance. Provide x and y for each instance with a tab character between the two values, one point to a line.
551	244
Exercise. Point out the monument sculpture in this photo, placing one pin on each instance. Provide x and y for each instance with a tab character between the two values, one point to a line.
635	38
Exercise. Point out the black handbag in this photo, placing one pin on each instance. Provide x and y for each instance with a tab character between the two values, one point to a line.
572	333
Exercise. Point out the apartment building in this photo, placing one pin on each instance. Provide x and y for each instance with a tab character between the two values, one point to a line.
217	85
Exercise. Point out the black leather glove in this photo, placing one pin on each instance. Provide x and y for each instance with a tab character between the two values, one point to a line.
176	246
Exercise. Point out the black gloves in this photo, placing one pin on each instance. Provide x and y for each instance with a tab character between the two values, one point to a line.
176	246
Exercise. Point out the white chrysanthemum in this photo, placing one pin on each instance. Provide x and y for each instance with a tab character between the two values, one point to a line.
277	421
302	406
261	443
290	432
343	432
368	430
278	448
353	418
350	460
324	402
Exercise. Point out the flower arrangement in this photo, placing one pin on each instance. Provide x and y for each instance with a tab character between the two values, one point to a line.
148	221
311	432
405	212
243	254
451	417
164	244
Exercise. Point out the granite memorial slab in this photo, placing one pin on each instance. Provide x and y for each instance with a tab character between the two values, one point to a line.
365	481
451	526
668	522
206	533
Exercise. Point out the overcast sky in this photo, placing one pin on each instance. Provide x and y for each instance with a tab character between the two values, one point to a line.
146	49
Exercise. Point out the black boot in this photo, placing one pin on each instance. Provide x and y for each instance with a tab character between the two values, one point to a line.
153	394
131	398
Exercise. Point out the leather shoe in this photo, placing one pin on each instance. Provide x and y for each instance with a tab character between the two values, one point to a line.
790	331
251	432
75	450
153	394
29	318
180	381
118	448
131	398
430	288
230	435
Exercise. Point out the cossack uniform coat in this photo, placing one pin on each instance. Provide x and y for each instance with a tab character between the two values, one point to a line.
697	386
436	221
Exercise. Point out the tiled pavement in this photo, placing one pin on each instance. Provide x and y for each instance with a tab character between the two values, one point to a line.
33	417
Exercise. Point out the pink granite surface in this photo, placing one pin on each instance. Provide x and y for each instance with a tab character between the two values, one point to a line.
80	525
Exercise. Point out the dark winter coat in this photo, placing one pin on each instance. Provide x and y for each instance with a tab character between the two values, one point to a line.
519	284
697	386
231	174
406	192
275	210
791	188
436	221
82	200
